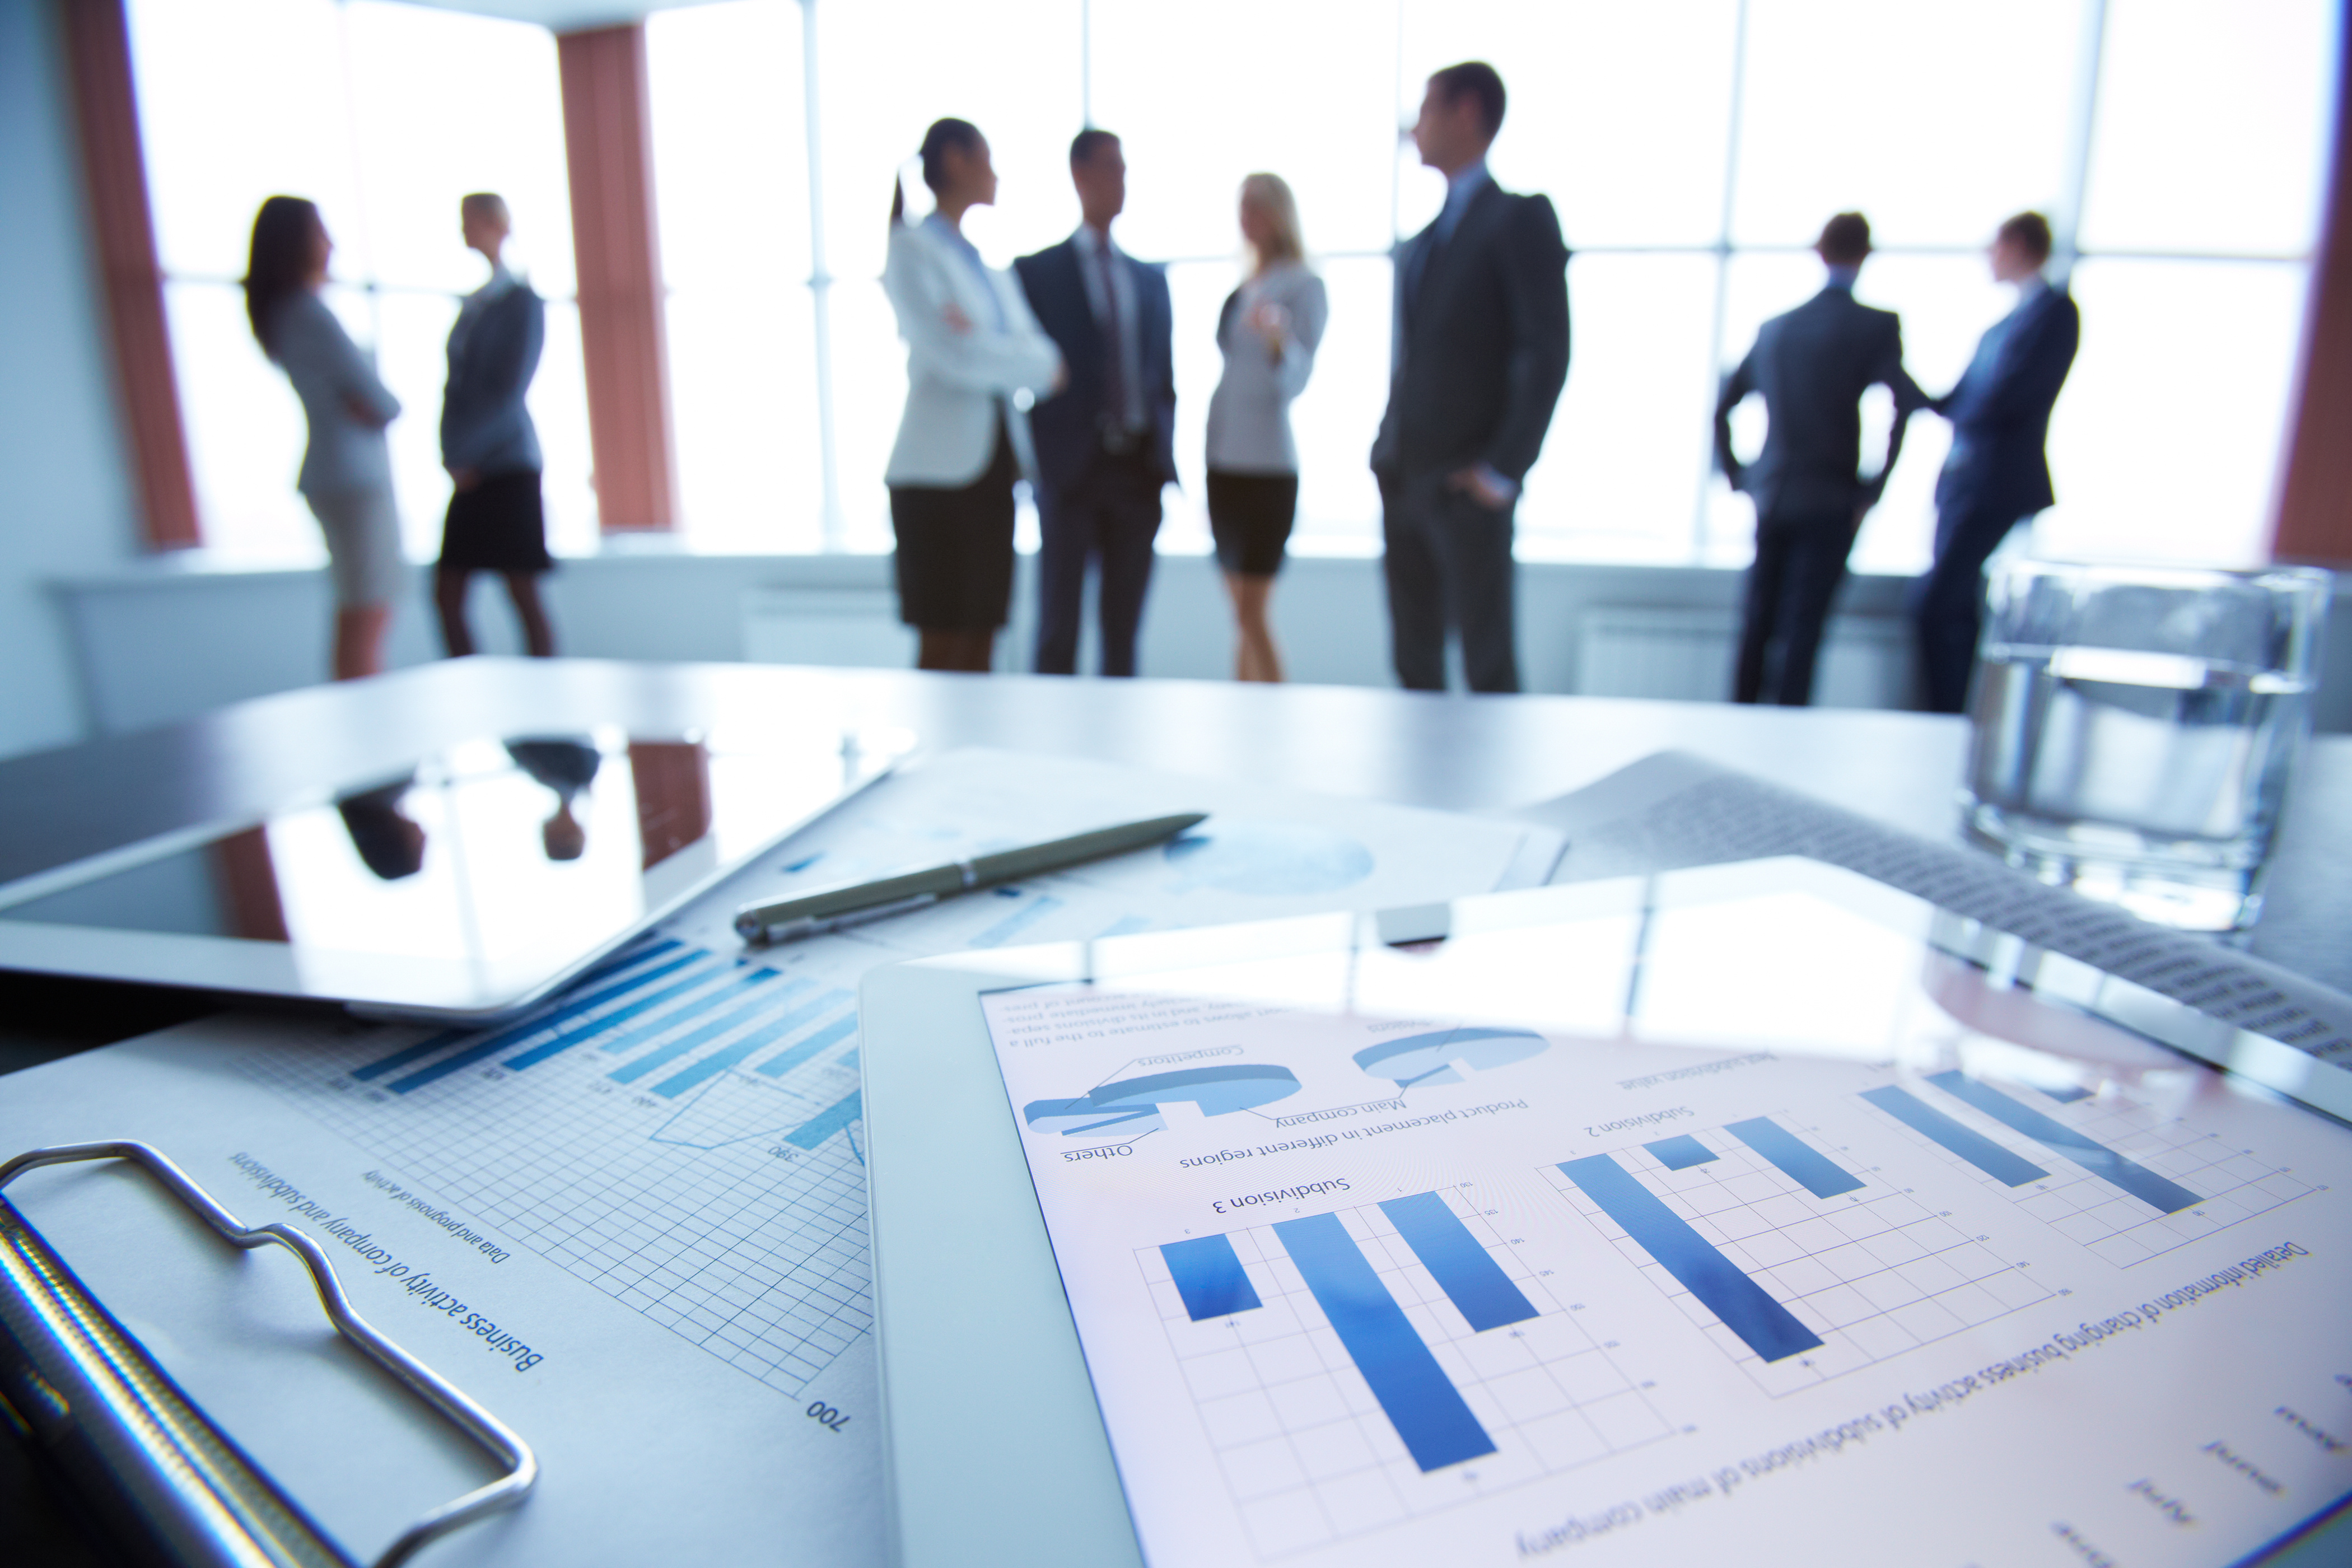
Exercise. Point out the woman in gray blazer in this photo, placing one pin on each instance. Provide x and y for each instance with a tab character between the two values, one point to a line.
347	467
1268	333
496	520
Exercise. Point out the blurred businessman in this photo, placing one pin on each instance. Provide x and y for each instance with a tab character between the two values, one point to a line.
1105	442
1811	367
1481	354
1998	474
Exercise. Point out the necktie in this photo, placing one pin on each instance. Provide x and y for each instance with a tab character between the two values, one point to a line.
1114	346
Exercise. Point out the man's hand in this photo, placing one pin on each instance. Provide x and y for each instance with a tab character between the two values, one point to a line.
1483	485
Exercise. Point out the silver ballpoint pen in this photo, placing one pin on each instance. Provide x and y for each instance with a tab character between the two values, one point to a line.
855	903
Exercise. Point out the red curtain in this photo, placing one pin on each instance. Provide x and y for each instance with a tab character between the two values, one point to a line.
2314	522
608	142
123	230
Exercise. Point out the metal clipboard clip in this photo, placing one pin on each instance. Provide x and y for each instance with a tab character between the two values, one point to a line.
118	1424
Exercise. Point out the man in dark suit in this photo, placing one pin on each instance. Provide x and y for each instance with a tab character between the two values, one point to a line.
1811	367
1998	475
1107	442
1480	353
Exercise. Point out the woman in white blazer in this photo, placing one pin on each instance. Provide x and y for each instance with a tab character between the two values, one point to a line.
972	342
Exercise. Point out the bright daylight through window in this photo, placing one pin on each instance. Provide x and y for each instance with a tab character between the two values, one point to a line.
1692	151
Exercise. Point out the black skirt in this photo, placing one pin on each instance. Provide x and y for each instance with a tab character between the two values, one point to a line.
499	525
1250	516
955	547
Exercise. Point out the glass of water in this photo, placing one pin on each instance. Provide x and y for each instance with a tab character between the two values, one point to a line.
2133	730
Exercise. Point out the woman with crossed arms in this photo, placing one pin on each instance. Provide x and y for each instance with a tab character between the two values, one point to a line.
972	343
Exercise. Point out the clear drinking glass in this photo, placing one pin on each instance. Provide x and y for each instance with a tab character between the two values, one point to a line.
2134	729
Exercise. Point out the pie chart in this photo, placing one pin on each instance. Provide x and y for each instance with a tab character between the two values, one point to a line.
1130	1106
1433	1058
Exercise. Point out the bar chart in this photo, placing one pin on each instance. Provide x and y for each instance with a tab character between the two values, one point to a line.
1358	1368
1798	1262
2108	1171
679	1129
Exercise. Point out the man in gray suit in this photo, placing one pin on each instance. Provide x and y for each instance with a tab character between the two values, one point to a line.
1480	353
1811	367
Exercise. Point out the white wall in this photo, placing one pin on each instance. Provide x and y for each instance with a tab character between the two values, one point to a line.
157	641
67	505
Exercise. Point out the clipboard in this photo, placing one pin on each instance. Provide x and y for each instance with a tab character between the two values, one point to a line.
98	1406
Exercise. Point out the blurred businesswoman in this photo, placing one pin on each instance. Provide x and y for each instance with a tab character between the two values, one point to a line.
347	467
1268	333
496	522
972	343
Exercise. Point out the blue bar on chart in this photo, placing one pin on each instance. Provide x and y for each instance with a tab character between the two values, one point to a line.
2068	1095
2164	1195
827	1122
693	1039
415	1053
1767	1328
629	959
1680	1152
659	1024
784	1061
588	1028
750	980
1465	1270
1420	1401
726	1057
2003	1166
1209	1277
574	1014
1796	1159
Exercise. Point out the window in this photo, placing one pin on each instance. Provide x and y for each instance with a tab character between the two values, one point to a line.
1692	153
384	115
730	189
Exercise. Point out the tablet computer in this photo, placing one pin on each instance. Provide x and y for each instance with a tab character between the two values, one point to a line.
1742	1213
463	887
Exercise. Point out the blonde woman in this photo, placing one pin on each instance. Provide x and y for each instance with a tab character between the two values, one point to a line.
1268	332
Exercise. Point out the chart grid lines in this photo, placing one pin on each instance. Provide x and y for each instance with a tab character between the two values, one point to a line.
1306	1448
2084	1203
702	1215
1868	1274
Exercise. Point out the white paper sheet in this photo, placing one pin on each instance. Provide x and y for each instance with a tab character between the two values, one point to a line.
613	1226
1690	1230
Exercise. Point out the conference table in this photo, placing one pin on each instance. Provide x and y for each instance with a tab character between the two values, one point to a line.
237	764
234	766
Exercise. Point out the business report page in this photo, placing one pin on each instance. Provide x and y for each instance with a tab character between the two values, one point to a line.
1677	1231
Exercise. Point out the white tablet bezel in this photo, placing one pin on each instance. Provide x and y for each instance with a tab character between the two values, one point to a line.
995	1448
